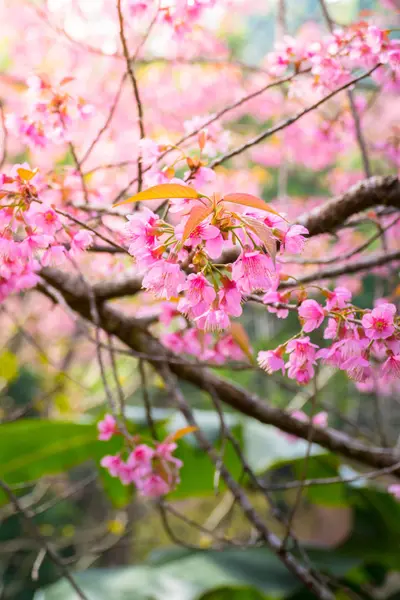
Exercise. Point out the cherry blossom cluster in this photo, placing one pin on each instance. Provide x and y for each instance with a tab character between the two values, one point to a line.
51	113
332	59
212	293
152	469
180	15
366	343
31	232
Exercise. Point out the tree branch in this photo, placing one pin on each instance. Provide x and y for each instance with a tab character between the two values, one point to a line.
131	332
375	191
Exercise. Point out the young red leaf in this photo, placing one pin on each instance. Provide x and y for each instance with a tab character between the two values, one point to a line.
240	336
163	192
197	215
251	201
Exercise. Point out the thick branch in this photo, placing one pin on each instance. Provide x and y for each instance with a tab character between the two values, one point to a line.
375	191
131	332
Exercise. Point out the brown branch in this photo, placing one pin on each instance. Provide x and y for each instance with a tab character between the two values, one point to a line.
131	332
305	575
376	191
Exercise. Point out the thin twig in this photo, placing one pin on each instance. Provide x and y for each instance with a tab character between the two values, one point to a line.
135	87
286	123
41	540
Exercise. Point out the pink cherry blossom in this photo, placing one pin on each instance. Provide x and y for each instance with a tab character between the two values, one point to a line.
252	271
379	323
55	255
338	298
230	298
301	349
213	319
81	242
294	240
164	279
107	428
311	314
271	361
391	367
394	490
112	464
279	298
198	289
153	486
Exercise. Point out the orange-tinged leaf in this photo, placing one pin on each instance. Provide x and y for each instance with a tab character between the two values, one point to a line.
240	336
162	192
197	215
25	174
263	232
250	200
181	433
66	80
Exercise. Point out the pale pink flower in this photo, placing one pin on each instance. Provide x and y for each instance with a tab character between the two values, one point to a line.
213	319
54	255
107	428
227	349
81	242
141	455
142	230
112	464
203	176
174	342
47	220
391	367
394	489
302	373
301	349
331	330
272	297
154	486
378	324
198	289
311	315
271	361
338	298
320	419
164	279
230	298
210	235
126	473
252	271
294	240
164	452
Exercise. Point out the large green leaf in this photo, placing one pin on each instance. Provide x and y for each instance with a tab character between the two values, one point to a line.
34	448
254	574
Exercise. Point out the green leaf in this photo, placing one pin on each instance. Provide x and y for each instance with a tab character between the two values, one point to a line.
253	574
